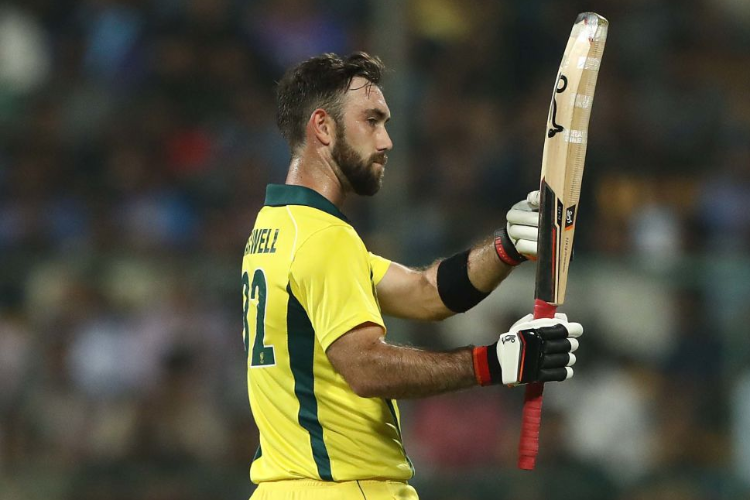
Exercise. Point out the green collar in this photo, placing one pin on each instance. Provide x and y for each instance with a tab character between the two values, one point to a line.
278	195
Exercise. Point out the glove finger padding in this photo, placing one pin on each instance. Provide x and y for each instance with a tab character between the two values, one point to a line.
527	248
557	360
533	199
560	326
517	215
519	232
555	332
575	330
557	346
555	374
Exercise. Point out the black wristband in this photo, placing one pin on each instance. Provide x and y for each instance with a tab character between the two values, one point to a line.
453	284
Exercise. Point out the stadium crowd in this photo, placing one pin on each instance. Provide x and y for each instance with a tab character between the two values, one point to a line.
136	140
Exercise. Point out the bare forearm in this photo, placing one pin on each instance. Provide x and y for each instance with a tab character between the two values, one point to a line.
404	372
380	369
412	293
486	270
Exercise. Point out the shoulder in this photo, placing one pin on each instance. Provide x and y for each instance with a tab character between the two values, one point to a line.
334	249
332	237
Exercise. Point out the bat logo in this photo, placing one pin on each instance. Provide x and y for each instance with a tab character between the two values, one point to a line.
570	215
558	90
509	338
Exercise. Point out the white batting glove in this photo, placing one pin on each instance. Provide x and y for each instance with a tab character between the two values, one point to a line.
523	224
517	241
533	350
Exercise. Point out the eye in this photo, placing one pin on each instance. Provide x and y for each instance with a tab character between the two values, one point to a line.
372	121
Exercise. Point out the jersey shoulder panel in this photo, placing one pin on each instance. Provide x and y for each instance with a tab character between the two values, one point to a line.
332	278
379	267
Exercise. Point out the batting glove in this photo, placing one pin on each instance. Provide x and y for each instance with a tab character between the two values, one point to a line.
517	241
534	350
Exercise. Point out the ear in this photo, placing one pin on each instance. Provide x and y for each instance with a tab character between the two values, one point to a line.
321	126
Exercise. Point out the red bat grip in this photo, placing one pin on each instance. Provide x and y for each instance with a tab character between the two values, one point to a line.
528	448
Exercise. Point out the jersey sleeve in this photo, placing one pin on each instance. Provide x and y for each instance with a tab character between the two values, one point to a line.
379	266
332	278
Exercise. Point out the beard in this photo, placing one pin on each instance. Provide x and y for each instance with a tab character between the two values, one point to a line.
364	179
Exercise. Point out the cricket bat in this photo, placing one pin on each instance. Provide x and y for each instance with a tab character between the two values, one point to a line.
565	143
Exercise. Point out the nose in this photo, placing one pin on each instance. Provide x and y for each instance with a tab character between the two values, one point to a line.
384	141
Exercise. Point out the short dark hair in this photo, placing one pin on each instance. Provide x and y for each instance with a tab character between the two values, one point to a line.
319	82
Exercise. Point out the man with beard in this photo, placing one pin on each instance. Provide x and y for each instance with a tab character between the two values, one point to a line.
321	378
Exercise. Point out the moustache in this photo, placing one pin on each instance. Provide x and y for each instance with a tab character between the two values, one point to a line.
381	158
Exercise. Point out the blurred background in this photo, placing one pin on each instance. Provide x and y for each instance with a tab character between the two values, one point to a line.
136	140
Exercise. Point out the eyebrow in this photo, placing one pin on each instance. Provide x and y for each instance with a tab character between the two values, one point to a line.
379	114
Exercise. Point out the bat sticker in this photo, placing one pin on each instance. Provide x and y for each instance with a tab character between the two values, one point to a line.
556	128
570	216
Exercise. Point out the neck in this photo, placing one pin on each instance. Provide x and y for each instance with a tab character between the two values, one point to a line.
318	174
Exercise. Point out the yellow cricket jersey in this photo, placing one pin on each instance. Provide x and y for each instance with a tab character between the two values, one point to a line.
307	280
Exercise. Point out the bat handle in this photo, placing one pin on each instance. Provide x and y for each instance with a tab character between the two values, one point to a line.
528	448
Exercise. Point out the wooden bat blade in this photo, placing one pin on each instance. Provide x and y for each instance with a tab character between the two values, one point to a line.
565	153
560	188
